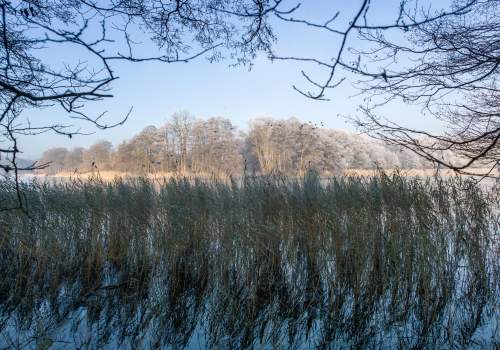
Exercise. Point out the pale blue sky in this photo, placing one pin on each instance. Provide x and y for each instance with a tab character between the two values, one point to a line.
213	89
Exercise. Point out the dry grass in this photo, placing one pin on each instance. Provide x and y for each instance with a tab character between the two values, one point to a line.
415	172
111	175
381	262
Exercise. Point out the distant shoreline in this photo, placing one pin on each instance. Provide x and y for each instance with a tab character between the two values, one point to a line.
110	175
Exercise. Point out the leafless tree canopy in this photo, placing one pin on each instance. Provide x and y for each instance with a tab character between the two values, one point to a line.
447	61
189	146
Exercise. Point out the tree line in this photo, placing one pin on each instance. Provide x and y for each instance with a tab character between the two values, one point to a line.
188	145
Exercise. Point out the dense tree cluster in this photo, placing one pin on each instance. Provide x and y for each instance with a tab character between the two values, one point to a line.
214	146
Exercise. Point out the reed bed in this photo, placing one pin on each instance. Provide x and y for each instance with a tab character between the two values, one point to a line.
266	262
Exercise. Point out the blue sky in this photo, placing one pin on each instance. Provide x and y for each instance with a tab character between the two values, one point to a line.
214	89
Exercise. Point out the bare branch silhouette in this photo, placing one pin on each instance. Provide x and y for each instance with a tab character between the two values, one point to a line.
446	61
102	33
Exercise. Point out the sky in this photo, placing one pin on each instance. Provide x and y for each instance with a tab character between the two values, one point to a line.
157	90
